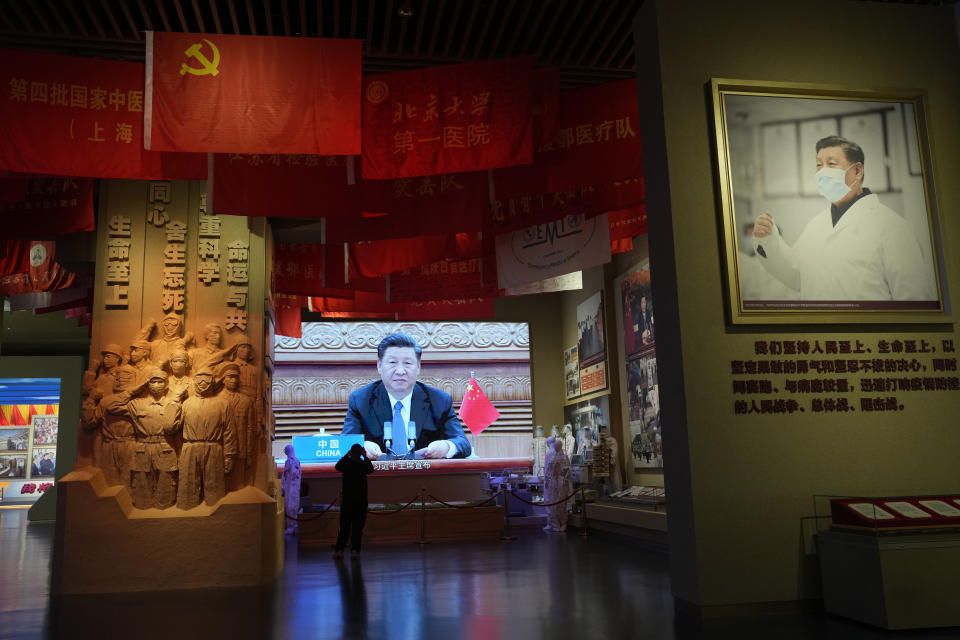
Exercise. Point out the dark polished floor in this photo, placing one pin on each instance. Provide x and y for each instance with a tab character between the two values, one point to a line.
539	586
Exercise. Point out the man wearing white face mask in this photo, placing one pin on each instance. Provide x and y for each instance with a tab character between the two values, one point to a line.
856	249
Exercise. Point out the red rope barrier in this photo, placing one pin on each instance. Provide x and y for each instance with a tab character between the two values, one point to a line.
329	506
545	504
383	512
464	506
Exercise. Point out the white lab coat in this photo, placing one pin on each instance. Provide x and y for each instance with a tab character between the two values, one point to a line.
872	254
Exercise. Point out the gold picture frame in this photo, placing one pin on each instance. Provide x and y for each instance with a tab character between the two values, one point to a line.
851	261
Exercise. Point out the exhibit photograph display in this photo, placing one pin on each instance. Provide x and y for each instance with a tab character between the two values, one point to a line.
29	414
829	207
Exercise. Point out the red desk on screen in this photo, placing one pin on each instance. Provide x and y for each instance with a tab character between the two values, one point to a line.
399	481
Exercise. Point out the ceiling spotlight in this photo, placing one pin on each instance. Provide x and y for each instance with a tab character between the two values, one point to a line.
405	10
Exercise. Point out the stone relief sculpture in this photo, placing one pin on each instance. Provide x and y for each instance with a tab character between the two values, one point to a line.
209	445
240	414
162	425
156	417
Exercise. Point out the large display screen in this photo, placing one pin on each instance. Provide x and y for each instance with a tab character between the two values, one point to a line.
316	373
29	415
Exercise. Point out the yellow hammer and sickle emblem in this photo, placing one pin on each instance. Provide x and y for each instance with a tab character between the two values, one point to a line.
209	67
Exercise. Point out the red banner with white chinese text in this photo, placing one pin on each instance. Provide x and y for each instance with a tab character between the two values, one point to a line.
319	270
50	206
518	212
288	186
443	280
408	207
598	142
380	257
65	115
627	223
252	94
455	309
466	117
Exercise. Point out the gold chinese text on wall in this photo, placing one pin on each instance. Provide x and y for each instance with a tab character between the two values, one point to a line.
173	293
840	376
118	263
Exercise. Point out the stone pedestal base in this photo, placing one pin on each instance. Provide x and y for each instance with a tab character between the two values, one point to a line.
104	545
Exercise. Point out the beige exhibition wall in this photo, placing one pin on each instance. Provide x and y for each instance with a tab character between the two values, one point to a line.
740	486
546	357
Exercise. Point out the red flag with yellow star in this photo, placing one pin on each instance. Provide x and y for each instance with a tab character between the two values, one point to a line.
476	411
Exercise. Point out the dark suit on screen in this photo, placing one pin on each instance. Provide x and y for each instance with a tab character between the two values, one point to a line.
431	410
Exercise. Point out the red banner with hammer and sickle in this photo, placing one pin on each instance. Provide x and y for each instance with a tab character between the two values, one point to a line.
252	94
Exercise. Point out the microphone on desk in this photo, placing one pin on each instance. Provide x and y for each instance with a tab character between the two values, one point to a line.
388	435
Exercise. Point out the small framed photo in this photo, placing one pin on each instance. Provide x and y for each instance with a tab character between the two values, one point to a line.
44	429
828	205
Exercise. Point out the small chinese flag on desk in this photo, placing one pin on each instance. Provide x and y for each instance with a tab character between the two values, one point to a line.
477	412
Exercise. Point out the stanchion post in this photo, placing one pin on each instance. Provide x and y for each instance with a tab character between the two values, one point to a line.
583	506
423	517
506	533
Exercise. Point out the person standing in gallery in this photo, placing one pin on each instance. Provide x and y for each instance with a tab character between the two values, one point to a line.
290	481
355	467
558	482
855	249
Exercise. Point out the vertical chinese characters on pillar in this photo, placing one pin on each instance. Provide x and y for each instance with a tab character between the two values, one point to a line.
208	246
172	294
118	263
238	269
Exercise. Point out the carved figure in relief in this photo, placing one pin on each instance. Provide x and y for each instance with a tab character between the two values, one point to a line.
170	337
538	449
116	429
209	445
210	354
290	481
569	442
557	488
250	378
249	372
98	381
156	417
240	414
140	358
180	382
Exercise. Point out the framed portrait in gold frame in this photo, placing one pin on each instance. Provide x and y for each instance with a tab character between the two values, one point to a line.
828	207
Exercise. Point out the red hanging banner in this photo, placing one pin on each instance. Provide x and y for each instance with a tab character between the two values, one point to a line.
288	315
252	94
546	104
597	142
518	212
288	186
65	115
380	257
455	309
466	117
442	280
408	207
51	206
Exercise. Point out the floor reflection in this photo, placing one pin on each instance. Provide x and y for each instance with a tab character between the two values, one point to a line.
539	586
